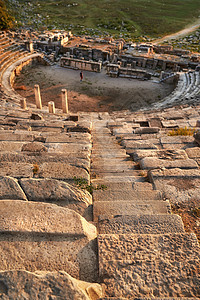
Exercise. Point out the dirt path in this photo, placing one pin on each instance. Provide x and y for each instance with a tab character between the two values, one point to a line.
97	92
179	34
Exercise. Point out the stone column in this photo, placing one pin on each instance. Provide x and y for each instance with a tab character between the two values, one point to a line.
155	62
23	103
38	101
164	65
29	46
64	101
134	64
51	106
144	63
162	75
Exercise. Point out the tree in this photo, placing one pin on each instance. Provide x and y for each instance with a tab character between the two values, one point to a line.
6	20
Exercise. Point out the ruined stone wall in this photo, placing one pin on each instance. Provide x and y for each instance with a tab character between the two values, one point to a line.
152	63
79	64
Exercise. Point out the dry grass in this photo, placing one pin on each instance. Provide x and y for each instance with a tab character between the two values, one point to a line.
182	131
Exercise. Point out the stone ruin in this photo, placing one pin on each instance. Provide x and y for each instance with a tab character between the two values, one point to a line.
86	200
80	64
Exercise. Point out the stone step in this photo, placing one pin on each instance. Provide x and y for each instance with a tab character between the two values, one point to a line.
141	186
118	179
46	237
113	185
123	195
68	147
16	137
111	163
112	160
177	183
134	145
107	155
149	163
11	146
115	173
103	138
117	208
108	148
161	154
69	138
82	161
10	189
164	265
62	171
112	169
55	170
46	285
146	224
57	192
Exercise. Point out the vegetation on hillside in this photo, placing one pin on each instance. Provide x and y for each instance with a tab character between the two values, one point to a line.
190	42
128	18
6	20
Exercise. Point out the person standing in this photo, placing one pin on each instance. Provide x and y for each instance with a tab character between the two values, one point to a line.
81	76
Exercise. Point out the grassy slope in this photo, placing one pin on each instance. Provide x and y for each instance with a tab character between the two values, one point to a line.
136	17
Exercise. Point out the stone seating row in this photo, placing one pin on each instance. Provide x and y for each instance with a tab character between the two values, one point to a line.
14	56
166	155
187	88
43	225
10	52
137	234
165	120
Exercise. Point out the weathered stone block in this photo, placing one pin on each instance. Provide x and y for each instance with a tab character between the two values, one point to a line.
146	224
52	285
116	208
10	146
176	184
58	192
162	154
177	142
147	130
16	170
16	137
197	137
139	145
149	163
10	189
67	147
73	137
35	147
170	124
62	171
26	216
46	237
193	153
123	195
135	265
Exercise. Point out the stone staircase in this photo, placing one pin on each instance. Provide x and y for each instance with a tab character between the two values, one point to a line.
47	240
143	249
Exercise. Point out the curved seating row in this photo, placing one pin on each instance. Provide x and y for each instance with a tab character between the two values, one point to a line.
188	88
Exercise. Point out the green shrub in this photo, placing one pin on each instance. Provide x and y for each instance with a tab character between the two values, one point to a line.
83	184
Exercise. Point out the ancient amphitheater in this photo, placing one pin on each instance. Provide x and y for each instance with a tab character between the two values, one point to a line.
122	242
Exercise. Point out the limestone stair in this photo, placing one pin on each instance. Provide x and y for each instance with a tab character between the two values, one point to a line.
47	237
144	250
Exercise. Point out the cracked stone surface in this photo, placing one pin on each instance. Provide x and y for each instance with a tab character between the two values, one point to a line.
131	265
46	285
